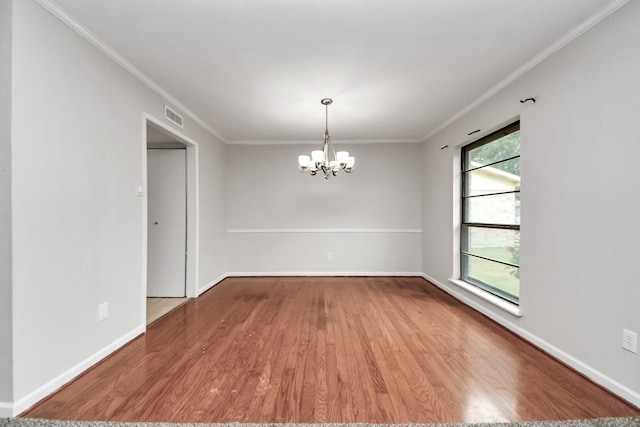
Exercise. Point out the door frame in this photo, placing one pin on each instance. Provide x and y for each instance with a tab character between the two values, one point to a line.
193	217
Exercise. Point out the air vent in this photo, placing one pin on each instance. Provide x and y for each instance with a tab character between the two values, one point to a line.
173	117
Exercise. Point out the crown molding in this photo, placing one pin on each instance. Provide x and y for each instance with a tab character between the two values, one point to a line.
57	11
533	62
92	38
325	230
319	141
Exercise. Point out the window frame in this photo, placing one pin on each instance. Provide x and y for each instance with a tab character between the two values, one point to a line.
465	226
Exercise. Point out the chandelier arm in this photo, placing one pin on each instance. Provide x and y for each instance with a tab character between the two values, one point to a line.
333	150
326	171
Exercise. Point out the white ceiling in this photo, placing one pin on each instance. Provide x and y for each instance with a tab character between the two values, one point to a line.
255	70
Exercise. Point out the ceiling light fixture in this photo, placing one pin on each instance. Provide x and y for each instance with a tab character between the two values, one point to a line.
320	159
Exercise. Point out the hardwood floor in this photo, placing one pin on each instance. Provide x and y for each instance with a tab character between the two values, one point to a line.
292	349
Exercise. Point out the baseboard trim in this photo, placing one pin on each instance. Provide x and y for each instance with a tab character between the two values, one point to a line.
325	230
43	391
325	274
588	371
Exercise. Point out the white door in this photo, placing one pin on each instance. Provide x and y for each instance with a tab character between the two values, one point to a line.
167	222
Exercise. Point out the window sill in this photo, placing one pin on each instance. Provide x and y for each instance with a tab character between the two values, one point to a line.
498	302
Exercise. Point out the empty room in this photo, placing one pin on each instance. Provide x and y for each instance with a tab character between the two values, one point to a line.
319	211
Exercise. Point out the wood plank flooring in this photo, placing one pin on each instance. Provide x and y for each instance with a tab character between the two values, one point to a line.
300	349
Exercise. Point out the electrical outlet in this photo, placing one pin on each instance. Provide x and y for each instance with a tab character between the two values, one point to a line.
630	341
103	311
329	255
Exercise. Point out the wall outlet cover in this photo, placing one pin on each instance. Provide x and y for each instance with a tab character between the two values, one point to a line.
103	311
630	340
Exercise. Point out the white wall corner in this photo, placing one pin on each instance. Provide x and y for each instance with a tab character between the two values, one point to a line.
57	11
591	373
564	40
62	379
211	284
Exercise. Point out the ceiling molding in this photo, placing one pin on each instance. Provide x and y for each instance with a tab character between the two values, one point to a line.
62	15
319	141
533	62
52	7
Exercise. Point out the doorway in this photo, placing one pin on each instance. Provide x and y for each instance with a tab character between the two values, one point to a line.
170	220
167	222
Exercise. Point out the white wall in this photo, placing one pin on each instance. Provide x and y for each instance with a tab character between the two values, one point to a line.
580	150
77	153
6	394
212	226
282	220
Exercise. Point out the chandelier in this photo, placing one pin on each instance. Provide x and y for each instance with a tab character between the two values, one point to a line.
321	160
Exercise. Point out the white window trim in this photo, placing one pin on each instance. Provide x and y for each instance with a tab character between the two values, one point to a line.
489	297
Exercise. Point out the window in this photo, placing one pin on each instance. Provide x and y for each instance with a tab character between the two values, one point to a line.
490	228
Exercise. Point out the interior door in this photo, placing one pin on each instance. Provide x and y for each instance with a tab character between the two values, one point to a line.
167	222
